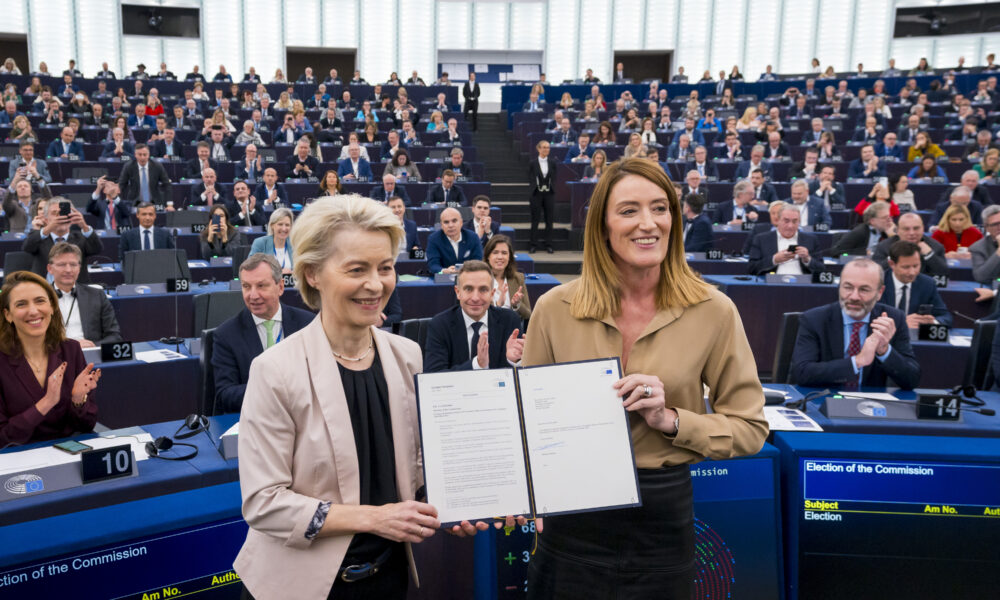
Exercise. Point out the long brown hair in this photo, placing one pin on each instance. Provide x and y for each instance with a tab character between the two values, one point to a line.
10	342
230	230
511	269
598	293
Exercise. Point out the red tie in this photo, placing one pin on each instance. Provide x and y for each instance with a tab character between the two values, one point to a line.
853	348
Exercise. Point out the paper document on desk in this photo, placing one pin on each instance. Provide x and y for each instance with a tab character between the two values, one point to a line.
155	356
962	341
780	418
47	456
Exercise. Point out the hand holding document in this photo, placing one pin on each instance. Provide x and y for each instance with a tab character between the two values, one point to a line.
540	440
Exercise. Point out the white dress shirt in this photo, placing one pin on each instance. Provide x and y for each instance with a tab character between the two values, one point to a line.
794	266
262	331
543	164
70	310
142	238
469	333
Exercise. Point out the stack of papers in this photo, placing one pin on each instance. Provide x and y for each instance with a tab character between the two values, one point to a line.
154	356
780	418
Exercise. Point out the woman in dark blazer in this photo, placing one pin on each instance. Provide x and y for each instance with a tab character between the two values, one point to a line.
542	178
509	290
46	386
221	239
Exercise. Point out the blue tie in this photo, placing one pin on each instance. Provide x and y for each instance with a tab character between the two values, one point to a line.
250	171
143	185
147	244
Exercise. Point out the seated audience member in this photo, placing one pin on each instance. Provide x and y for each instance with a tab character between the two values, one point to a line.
811	209
58	227
410	240
911	229
146	236
354	167
403	168
499	255
475	334
970	181
28	167
66	147
739	210
693	185
927	169
815	132
889	149
243	208
329	185
118	147
220	238
276	242
923	146
391	146
219	145
856	341
697	226
456	164
956	232
208	191
581	151
87	313
705	167
773	211
107	205
481	222
199	163
446	192
302	164
986	252
263	322
388	189
34	350
251	167
564	134
907	289
959	195
451	244
877	226
269	192
17	208
775	148
168	147
878	193
755	163
786	250
733	150
826	188
868	166
763	192
597	164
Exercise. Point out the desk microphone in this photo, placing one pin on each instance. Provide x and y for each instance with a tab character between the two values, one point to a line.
986	412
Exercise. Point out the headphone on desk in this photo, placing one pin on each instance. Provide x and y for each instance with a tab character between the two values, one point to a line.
194	424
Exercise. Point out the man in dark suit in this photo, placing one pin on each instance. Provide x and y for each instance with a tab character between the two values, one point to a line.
786	250
207	192
264	321
194	75
977	149
388	189
826	189
868	166
66	146
908	289
140	118
57	228
481	222
697	226
398	208
390	146
738	210
475	334
243	209
978	193
269	192
962	196
910	228
87	313
856	341
354	167
168	146
679	77
775	147
105	72
457	165
203	160
108	194
542	179
251	167
889	149
146	236
763	192
470	91
164	73
693	185
581	151
755	163
447	192
811	208
251	76
702	165
451	244
144	180
877	226
307	76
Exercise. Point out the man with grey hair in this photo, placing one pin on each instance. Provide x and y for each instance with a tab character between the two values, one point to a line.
960	195
811	208
786	250
978	193
911	229
456	164
877	226
262	323
739	210
986	252
388	189
855	341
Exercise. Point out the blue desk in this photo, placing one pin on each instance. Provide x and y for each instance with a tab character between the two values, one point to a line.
761	306
885	516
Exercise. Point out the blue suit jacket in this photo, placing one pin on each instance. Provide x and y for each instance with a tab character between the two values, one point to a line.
6	119
441	255
765	245
699	236
975	211
147	121
574	151
55	149
697	137
724	212
130	240
99	208
743	170
447	348
923	290
258	170
236	345
261	194
896	151
412	241
378	193
109	149
857	170
818	359
817	211
364	169
710	169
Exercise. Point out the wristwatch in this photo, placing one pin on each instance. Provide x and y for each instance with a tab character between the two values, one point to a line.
677	425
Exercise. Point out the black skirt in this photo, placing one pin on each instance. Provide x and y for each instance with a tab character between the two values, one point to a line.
645	552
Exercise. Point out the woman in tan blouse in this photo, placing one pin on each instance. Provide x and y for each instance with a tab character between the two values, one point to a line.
637	299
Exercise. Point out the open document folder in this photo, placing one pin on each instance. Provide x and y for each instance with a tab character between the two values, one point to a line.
539	441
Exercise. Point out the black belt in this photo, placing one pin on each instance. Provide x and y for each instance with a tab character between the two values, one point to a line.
353	573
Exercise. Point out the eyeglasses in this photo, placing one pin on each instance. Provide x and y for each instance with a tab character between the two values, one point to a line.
993	225
66	265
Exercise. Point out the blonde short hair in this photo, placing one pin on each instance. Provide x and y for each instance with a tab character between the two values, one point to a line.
316	226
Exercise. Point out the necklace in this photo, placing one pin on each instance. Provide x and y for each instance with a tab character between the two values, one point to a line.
371	344
40	369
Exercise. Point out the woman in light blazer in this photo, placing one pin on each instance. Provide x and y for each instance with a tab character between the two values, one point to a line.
277	242
329	442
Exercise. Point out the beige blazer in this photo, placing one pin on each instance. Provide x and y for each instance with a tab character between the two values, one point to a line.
523	307
688	349
297	448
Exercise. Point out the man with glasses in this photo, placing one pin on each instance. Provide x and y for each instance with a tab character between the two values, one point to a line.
855	341
986	252
87	313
